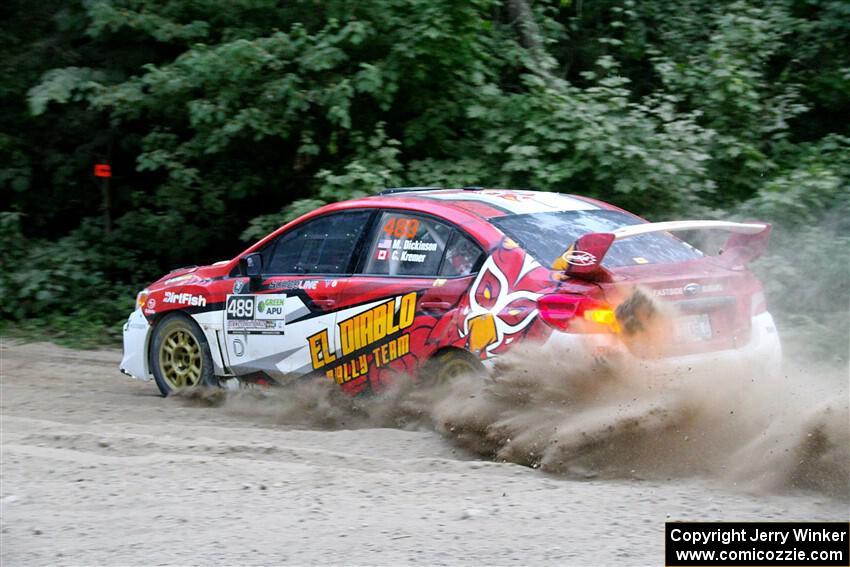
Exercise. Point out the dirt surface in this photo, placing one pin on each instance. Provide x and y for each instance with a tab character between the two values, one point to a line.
98	469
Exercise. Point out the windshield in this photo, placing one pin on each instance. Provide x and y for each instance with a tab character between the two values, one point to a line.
546	235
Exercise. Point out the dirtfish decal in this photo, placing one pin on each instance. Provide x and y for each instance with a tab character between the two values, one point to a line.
185	299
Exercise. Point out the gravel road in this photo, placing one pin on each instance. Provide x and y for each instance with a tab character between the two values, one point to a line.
98	469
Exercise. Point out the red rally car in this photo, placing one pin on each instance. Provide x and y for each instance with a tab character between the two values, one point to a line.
364	290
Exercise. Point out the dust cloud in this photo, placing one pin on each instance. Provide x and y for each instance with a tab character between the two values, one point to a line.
753	431
746	428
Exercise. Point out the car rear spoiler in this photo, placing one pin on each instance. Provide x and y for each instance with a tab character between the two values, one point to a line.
583	259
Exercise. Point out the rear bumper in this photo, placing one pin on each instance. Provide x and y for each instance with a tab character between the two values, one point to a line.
761	356
134	363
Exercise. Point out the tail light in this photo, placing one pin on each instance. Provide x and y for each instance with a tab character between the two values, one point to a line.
577	314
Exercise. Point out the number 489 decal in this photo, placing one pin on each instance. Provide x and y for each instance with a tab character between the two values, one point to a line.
240	307
402	228
256	315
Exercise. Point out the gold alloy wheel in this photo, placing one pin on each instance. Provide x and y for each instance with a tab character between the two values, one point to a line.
180	359
453	367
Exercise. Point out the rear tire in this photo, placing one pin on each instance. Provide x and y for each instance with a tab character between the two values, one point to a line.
180	355
449	364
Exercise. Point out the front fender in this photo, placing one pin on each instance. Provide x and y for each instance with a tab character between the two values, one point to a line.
137	333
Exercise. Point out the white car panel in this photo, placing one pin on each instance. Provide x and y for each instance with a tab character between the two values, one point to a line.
136	336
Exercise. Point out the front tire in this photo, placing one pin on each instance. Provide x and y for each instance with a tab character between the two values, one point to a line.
180	355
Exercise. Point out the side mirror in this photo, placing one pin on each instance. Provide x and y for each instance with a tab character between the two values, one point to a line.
252	266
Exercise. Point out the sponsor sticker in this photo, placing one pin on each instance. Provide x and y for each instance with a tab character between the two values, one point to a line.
185	299
271	308
373	337
579	258
295	284
256	314
690	289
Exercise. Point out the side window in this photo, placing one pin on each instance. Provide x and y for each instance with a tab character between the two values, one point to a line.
324	245
462	256
405	244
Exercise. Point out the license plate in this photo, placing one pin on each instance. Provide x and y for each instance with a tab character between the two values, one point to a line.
692	328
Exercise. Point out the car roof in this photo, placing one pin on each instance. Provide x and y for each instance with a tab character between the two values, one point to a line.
469	207
483	203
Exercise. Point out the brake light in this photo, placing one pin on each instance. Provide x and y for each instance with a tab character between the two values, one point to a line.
604	316
577	314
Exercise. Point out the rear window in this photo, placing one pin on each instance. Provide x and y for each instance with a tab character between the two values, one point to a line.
407	244
546	235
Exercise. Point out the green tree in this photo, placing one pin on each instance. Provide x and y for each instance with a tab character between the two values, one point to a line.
223	119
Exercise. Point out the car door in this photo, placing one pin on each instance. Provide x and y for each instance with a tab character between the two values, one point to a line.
398	307
284	326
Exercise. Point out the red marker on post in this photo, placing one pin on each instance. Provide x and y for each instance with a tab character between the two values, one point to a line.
102	170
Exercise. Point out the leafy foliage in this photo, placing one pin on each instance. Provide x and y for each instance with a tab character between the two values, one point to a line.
807	271
58	289
223	119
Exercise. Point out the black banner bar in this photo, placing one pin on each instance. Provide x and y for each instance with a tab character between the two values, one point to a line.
745	544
